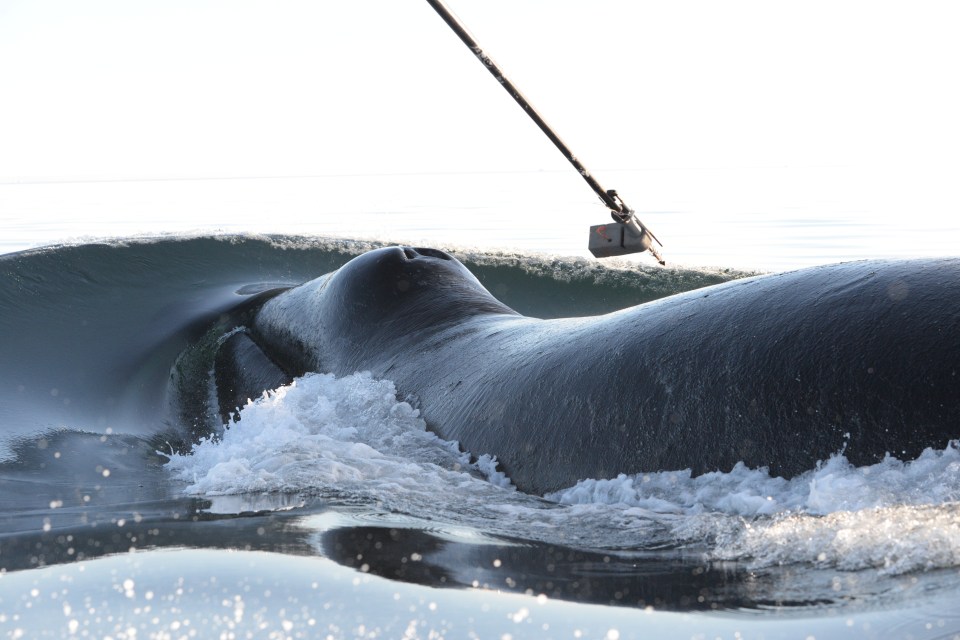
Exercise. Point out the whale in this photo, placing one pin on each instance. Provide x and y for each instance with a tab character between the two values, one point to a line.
779	371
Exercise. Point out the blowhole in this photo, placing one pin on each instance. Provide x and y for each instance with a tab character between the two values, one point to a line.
433	253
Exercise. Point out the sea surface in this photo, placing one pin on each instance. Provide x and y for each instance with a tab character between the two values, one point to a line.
331	510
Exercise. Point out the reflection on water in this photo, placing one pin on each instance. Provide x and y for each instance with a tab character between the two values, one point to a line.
440	555
210	593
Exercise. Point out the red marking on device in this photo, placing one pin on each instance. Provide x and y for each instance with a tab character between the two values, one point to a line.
603	233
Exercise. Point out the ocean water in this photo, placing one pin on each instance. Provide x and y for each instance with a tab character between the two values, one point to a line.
331	510
754	218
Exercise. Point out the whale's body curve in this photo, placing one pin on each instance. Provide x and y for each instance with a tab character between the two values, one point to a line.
780	371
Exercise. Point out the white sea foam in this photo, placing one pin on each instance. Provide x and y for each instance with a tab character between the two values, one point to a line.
893	540
893	517
326	433
351	437
834	485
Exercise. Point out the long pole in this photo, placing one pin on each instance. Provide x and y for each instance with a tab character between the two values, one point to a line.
618	208
494	69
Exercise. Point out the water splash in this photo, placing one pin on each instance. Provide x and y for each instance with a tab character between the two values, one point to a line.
351	438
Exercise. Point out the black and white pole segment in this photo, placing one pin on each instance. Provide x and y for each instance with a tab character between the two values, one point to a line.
618	209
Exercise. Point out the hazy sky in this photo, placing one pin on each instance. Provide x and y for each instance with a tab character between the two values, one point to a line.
784	118
199	88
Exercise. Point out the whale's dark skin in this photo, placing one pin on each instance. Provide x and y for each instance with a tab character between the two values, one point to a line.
779	371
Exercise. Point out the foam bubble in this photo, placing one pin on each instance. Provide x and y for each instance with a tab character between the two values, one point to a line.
892	540
834	485
742	491
892	517
351	437
321	432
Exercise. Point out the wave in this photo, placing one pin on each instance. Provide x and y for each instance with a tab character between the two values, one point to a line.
100	340
541	285
90	332
351	437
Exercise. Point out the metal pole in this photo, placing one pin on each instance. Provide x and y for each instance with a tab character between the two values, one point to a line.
620	211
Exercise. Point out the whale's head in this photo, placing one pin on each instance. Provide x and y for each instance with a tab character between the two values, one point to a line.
406	285
374	298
